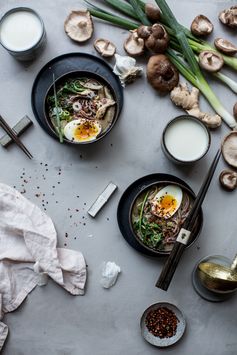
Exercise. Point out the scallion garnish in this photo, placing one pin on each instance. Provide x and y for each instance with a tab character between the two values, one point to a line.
58	121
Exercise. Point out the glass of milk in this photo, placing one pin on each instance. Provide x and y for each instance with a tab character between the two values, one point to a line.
22	33
185	139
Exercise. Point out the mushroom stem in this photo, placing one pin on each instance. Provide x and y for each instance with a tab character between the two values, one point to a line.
209	58
107	43
82	24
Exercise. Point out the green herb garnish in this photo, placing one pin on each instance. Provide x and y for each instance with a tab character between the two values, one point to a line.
149	232
59	128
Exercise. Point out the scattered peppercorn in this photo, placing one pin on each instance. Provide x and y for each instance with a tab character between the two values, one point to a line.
162	322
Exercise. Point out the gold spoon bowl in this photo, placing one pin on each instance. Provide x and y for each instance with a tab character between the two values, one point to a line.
218	278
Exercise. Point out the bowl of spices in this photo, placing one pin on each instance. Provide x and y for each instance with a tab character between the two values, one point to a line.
162	324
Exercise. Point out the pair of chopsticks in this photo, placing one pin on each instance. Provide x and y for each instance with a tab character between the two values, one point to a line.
14	137
184	234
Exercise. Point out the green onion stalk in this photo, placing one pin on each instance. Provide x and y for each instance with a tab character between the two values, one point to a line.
227	80
181	38
232	84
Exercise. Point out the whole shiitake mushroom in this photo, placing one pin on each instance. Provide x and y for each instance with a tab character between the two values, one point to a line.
161	73
228	179
211	61
152	12
79	26
229	17
156	38
225	46
134	45
201	26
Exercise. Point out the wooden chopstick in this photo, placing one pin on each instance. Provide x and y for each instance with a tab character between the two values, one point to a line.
190	220
14	137
179	247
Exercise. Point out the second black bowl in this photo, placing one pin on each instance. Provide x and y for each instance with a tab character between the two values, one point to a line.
125	206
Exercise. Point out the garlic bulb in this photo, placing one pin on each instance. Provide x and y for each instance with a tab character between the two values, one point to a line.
126	69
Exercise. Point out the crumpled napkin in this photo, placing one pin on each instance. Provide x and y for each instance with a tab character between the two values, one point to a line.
28	254
110	274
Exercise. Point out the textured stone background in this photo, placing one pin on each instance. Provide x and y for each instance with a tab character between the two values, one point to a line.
107	322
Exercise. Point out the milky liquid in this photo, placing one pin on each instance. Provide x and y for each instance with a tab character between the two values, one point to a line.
186	139
20	30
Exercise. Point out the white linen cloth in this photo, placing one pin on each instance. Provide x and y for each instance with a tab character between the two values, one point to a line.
28	254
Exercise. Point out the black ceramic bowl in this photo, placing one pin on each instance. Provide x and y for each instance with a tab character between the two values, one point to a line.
80	74
194	234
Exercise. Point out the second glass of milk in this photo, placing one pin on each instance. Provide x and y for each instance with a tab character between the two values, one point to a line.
22	33
185	139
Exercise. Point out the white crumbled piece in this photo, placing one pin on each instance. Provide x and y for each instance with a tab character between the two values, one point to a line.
109	274
126	69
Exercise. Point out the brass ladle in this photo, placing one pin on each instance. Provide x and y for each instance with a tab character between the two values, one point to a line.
218	278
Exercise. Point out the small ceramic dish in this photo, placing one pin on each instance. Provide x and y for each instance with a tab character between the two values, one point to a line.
163	342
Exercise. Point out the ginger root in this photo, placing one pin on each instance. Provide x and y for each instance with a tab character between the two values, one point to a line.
189	101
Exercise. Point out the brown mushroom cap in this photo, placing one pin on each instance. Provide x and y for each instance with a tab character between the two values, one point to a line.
158	40
134	45
211	61
144	31
201	26
105	47
229	149
152	12
79	26
161	73
229	17
228	179
225	46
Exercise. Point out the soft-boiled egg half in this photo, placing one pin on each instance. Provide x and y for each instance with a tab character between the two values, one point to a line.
82	130
167	201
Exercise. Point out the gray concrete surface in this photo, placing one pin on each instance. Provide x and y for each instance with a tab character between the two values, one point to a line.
106	322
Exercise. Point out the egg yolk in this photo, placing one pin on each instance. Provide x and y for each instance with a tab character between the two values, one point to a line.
166	205
85	130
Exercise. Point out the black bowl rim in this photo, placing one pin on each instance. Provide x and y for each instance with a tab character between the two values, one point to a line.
163	253
194	119
87	72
